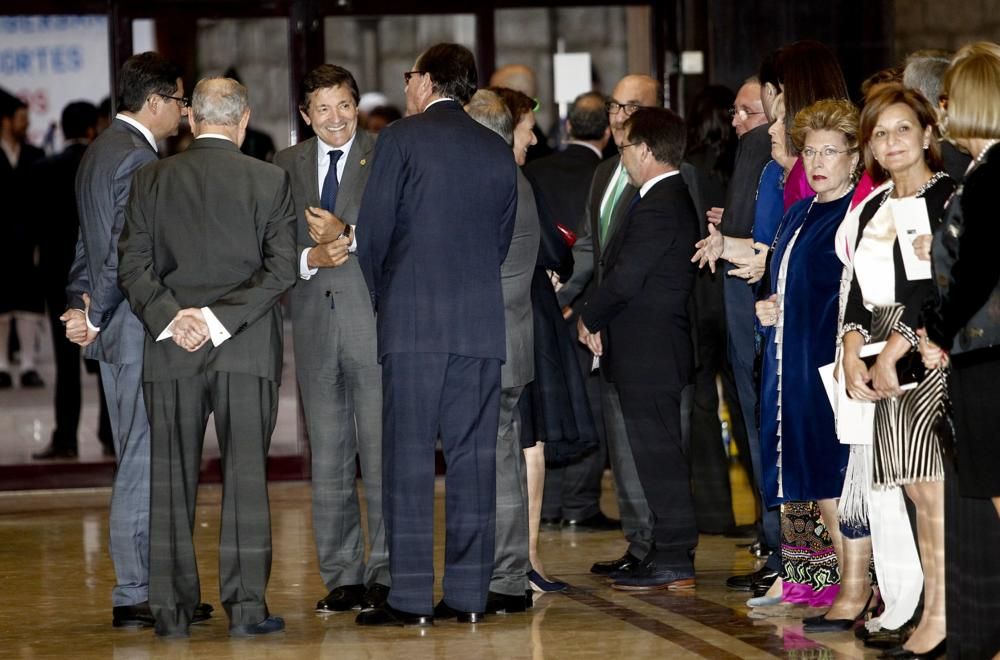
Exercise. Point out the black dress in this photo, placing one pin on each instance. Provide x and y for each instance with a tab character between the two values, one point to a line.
554	408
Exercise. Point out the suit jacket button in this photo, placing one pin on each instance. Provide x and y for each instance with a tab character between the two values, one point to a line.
327	294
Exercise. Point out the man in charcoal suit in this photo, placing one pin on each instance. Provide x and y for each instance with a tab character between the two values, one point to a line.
435	224
636	320
610	195
333	324
151	103
207	250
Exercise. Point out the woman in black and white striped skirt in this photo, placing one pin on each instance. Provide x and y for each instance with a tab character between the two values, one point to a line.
887	293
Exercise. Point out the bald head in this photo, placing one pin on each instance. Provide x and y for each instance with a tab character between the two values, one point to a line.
517	77
748	110
631	91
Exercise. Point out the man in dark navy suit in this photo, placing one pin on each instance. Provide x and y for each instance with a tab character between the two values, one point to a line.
636	320
435	224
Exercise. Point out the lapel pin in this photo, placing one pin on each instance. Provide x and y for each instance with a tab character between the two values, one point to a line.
363	162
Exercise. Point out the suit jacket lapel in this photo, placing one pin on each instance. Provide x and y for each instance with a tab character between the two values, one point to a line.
349	183
306	169
621	208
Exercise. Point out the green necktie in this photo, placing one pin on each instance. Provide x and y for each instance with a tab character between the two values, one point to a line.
611	202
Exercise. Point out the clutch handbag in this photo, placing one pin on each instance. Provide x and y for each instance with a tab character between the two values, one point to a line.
910	370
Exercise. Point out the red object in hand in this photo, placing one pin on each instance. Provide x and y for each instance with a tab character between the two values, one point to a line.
568	235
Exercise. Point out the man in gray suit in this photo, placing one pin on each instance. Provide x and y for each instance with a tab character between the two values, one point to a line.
610	196
336	361
511	564
151	105
207	250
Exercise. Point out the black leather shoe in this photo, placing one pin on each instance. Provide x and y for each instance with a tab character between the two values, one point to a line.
387	615
747	582
445	611
202	612
504	604
597	522
740	532
132	616
271	624
140	616
555	521
30	378
376	596
5	380
885	638
52	452
343	598
901	653
623	563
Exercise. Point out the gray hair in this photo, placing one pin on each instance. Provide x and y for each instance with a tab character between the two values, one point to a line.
924	72
219	101
488	109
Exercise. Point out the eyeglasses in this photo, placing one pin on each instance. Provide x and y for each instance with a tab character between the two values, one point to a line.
828	153
623	147
410	74
628	108
184	101
742	113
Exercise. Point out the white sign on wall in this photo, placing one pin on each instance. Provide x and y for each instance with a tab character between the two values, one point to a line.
50	61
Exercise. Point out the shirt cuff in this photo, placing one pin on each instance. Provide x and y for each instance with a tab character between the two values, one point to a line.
354	239
216	330
90	326
305	272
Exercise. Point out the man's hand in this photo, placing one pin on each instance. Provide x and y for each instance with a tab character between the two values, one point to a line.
567	312
329	255
767	310
708	250
77	330
714	215
323	225
932	354
922	246
591	340
751	268
189	330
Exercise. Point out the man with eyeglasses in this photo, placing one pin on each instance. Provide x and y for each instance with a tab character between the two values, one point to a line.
737	219
434	228
636	321
610	194
151	103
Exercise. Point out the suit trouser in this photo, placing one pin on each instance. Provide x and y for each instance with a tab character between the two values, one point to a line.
653	419
636	516
424	395
245	410
511	562
343	413
129	519
573	491
713	502
740	323
68	392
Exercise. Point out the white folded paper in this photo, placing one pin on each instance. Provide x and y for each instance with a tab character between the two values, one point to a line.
910	216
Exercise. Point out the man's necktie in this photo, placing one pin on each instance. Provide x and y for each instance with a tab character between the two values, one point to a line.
611	202
328	195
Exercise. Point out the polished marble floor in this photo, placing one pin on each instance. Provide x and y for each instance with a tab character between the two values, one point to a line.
55	581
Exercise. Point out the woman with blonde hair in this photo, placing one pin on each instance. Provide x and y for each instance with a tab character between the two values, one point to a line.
963	331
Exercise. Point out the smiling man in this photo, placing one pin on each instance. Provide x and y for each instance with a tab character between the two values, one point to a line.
334	329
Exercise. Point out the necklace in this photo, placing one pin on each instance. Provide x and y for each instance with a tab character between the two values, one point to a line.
986	147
